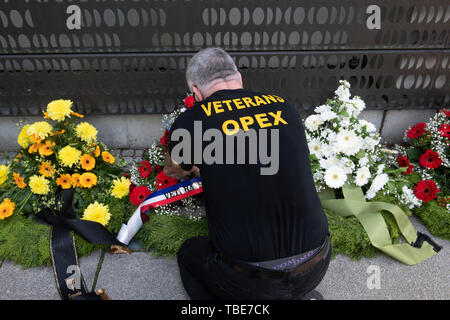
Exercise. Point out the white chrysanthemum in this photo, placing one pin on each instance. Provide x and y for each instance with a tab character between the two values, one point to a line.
335	177
315	147
362	176
348	142
343	92
313	122
358	105
322	108
377	184
328	115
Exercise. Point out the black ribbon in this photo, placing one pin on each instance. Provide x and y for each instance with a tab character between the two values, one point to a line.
69	280
421	237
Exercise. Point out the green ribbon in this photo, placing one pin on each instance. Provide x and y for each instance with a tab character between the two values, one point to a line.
368	214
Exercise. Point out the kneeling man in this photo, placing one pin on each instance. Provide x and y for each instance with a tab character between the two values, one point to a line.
268	234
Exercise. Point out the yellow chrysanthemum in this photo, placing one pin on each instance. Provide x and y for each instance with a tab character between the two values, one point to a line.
88	180
64	181
20	182
86	132
39	185
121	187
46	149
108	157
58	110
97	212
69	156
4	171
6	208
76	180
23	140
87	162
46	169
39	131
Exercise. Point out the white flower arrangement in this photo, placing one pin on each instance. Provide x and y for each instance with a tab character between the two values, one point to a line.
342	147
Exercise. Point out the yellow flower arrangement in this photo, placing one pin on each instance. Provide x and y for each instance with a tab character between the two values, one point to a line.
58	110
69	156
4	171
19	181
121	187
88	180
38	131
64	181
23	140
46	149
86	132
87	162
97	212
6	208
108	157
39	185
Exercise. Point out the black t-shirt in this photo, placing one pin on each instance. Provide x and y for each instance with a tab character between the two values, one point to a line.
252	216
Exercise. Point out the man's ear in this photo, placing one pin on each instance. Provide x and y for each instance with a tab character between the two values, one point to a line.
197	94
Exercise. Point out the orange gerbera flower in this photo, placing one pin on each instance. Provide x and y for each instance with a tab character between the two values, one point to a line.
6	208
76	180
87	162
65	181
47	148
88	179
108	157
34	148
97	151
46	169
20	182
34	139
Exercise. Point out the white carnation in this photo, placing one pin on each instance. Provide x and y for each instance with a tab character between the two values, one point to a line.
328	115
343	92
377	184
322	108
335	177
408	198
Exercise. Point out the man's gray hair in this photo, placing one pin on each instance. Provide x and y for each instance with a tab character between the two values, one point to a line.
208	65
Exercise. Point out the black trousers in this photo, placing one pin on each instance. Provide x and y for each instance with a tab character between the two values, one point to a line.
206	277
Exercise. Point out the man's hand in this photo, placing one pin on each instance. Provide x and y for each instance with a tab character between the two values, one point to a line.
173	169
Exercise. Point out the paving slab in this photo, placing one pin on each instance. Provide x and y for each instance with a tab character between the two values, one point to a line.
141	276
39	283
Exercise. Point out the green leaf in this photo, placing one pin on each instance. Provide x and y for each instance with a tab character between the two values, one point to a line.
361	153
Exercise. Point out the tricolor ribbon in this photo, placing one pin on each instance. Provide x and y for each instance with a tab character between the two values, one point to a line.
157	199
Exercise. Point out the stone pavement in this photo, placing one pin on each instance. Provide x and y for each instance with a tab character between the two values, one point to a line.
140	275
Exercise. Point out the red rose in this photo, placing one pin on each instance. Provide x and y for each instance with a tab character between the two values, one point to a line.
144	169
189	101
446	112
416	131
139	194
430	160
426	190
165	138
403	162
444	129
164	181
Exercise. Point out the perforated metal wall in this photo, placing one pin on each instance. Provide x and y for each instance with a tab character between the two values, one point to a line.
130	56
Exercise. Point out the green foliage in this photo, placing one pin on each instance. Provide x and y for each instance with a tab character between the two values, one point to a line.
435	218
166	234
